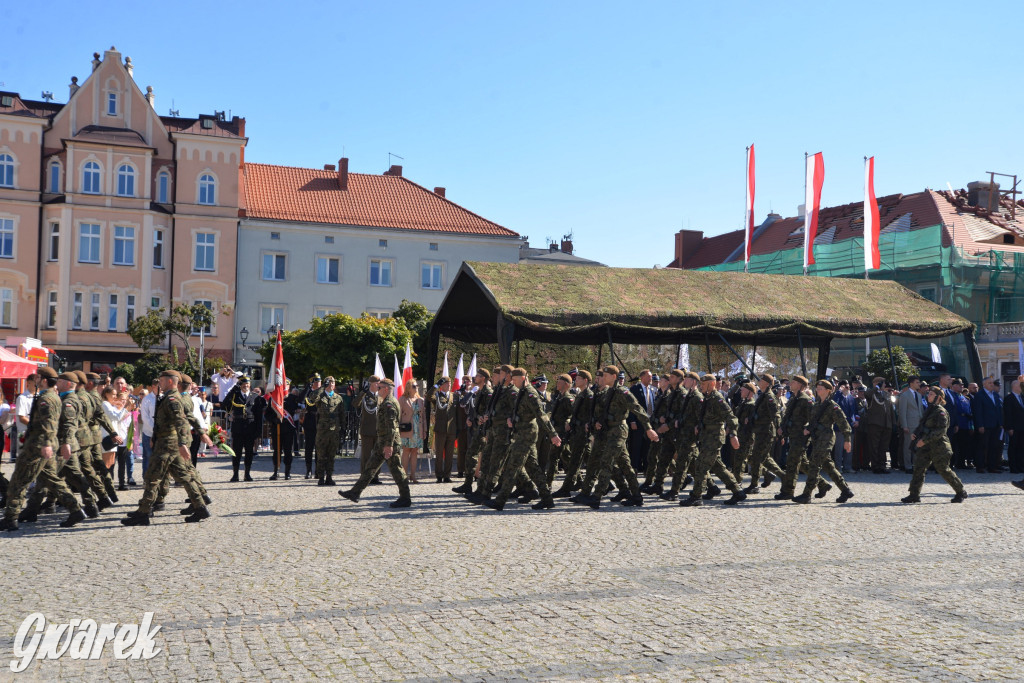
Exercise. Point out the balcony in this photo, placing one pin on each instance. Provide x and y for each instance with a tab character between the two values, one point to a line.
992	333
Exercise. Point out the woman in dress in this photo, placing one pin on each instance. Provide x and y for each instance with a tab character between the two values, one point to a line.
120	415
411	427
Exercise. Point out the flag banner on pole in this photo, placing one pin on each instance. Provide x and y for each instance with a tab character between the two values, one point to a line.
812	202
277	382
472	367
872	258
459	373
407	367
748	224
684	357
378	369
936	354
1020	354
398	379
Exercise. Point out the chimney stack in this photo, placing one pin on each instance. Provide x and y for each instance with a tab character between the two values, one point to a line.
150	97
73	87
343	173
566	245
983	194
330	167
687	242
439	191
394	170
552	248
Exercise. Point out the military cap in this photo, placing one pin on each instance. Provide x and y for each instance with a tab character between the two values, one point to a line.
741	378
707	378
610	370
385	382
47	372
315	377
173	374
749	386
540	379
327	380
443	380
507	369
564	378
79	376
878	380
622	375
585	374
69	376
655	378
185	379
92	377
824	383
765	377
519	372
484	372
693	375
803	380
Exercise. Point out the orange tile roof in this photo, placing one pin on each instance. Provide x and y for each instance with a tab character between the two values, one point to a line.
311	195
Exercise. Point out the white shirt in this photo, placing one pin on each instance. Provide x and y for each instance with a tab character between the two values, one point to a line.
147	411
120	418
224	385
23	407
204	424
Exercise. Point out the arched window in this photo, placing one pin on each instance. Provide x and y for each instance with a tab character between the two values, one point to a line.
6	170
91	178
125	181
163	188
207	189
55	177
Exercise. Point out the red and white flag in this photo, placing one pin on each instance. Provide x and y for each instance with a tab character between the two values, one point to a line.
277	382
398	379
472	368
748	223
444	370
459	372
815	179
872	258
407	367
378	369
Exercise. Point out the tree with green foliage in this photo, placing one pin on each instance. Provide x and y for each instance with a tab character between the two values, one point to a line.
417	320
159	326
879	365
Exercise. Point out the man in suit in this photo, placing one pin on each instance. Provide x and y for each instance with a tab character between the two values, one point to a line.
1013	422
644	392
909	410
959	409
987	408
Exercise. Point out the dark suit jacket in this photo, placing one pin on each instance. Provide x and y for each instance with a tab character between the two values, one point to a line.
638	392
1013	413
987	414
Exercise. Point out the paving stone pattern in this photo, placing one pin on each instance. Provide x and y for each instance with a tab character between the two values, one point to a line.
289	581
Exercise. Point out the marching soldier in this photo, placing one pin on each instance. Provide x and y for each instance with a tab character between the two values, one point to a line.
386	449
717	422
578	434
826	415
463	398
244	424
658	418
561	407
933	448
744	410
94	454
496	442
479	405
198	434
683	421
766	421
794	423
330	416
309	421
446	414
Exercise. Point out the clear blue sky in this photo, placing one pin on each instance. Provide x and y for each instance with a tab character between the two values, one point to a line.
619	123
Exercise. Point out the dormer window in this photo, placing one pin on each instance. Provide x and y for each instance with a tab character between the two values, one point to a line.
112	104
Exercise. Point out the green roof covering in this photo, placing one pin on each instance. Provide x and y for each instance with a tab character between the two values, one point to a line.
574	305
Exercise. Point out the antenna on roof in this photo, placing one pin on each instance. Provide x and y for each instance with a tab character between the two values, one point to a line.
173	111
395	156
47	95
951	193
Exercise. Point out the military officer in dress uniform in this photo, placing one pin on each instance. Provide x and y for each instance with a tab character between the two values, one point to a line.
242	404
330	415
446	415
309	421
367	406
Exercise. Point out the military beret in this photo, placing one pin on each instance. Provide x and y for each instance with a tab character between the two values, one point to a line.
585	374
47	372
69	376
315	377
443	380
373	378
575	371
707	378
519	372
800	378
484	372
173	374
564	378
92	377
825	383
185	379
749	386
693	375
765	377
79	376
385	381
507	369
678	373
610	370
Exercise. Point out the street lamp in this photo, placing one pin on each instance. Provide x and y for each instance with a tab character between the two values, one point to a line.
244	334
273	330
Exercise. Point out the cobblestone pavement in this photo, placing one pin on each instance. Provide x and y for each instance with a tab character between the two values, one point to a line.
289	581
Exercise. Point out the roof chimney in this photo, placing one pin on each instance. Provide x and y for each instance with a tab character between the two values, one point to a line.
330	167
394	170
439	191
566	245
552	248
984	194
73	87
343	173
687	242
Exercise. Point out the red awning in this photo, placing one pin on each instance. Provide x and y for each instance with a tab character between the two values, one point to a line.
15	367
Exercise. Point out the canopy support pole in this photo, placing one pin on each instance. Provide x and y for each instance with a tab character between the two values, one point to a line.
433	347
707	349
973	357
892	363
616	357
724	341
600	348
506	334
803	361
824	350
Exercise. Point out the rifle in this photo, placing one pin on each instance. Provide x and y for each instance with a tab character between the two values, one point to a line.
515	414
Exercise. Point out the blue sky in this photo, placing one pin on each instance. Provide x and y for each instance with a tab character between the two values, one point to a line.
620	124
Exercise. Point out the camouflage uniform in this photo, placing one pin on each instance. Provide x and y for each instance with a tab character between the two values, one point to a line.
561	412
745	418
71	431
367	401
716	423
529	420
798	413
97	420
766	422
579	438
481	401
675	401
495	451
611	416
686	422
170	431
187	404
387	435
824	416
330	412
936	450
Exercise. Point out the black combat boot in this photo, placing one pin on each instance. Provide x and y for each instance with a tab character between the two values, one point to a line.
545	503
198	516
495	504
135	520
691	502
350	494
737	497
911	499
329	481
529	496
634	501
620	496
8	524
711	492
465	488
823	490
320	481
28	516
207	499
959	498
73	519
248	477
768	479
91	510
104	503
753	488
802	498
401	502
783	496
686	482
846	495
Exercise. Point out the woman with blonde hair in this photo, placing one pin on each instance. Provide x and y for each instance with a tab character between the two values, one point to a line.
411	427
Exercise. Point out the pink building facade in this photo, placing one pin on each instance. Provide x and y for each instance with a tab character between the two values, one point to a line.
108	210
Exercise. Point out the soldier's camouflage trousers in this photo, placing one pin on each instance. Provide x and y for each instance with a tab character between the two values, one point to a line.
522	454
938	457
101	473
795	461
165	485
377	459
821	460
492	458
70	471
612	455
575	455
328	441
709	459
162	461
741	457
34	467
761	456
476	447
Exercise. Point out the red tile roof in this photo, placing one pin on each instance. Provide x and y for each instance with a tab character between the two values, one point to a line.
310	195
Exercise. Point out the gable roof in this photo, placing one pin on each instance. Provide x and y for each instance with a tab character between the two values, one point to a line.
309	195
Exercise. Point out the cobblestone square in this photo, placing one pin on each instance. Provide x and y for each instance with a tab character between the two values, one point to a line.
289	581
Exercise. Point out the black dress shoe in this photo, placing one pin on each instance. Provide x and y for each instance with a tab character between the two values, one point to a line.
287	477
329	481
234	478
273	477
122	487
446	480
248	477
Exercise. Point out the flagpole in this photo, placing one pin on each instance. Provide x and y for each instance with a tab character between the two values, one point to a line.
867	340
807	219
746	219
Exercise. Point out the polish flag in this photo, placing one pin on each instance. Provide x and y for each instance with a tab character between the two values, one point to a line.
459	372
398	379
872	258
748	224
378	369
472	368
276	383
407	368
815	179
444	370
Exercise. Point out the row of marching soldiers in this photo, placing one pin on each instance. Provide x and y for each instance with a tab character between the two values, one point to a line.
689	426
62	453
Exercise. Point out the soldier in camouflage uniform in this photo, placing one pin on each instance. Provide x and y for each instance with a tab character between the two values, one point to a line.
716	423
98	419
933	448
820	429
668	430
492	458
476	416
330	415
794	422
386	449
561	408
527	420
36	459
172	437
765	421
659	417
610	421
593	463
578	446
685	420
184	388
745	417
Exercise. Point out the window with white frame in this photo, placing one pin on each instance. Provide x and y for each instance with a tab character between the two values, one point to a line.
273	266
328	270
51	309
6	170
53	253
271	314
209	307
378	313
163	187
431	275
88	243
76	311
125	181
324	311
112	313
6	238
6	307
94	311
380	272
158	248
91	178
124	245
55	178
207	190
129	310
206	243
111	104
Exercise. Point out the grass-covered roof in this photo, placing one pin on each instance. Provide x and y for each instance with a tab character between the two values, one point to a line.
576	305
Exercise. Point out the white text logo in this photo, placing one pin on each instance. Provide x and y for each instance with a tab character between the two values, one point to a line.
82	639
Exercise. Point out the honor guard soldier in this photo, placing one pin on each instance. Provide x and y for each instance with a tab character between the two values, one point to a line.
242	404
367	406
330	416
309	421
446	414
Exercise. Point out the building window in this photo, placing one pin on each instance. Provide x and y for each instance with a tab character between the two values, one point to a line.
94	311
158	248
1002	309
209	306
125	181
205	246
378	313
271	314
275	235
273	266
323	311
51	310
112	104
927	293
112	313
124	245
55	177
76	312
433	246
163	188
207	190
382	243
6	238
328	269
6	170
6	307
88	243
329	239
91	178
431	275
54	252
380	272
129	310
154	303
